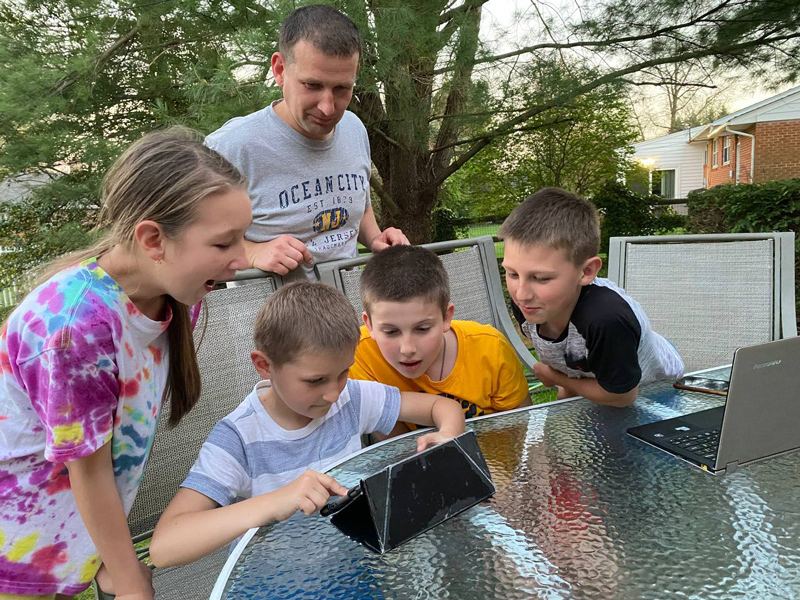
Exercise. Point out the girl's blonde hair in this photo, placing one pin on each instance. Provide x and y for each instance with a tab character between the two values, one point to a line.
163	177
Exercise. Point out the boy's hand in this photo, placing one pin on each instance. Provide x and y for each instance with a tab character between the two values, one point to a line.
308	493
545	374
432	439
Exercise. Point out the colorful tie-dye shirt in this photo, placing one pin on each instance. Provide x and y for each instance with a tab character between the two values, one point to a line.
81	366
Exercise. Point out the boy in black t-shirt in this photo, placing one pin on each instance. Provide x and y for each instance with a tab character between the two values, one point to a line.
592	339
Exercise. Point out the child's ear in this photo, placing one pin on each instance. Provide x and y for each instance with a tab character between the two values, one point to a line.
261	363
448	316
150	237
367	322
590	269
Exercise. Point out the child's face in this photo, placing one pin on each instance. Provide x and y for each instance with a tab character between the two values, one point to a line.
544	283
208	250
409	334
304	388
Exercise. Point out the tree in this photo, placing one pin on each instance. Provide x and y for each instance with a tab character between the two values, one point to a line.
80	79
578	146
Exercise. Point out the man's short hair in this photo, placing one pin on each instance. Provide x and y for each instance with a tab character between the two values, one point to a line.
403	273
305	317
327	29
556	218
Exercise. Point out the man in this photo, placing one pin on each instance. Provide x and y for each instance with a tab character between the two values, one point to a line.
306	157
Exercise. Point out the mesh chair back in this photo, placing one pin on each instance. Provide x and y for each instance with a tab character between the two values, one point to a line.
227	375
468	290
707	298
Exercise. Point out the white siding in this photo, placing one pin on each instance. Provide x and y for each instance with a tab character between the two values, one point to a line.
673	151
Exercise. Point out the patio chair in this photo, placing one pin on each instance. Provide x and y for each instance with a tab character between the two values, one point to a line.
710	294
228	376
475	286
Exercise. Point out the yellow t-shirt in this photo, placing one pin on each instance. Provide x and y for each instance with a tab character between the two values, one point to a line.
487	376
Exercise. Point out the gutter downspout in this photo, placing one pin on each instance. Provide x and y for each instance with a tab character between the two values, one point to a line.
752	153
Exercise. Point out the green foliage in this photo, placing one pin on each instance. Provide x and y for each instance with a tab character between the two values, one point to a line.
624	212
445	227
575	146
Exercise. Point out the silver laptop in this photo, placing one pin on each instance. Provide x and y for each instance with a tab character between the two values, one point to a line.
760	419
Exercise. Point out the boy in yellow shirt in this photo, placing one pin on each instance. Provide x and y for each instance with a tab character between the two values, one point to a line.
409	339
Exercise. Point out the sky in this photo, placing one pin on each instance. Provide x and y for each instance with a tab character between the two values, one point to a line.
502	28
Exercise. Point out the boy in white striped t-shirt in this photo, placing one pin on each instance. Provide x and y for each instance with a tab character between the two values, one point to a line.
261	463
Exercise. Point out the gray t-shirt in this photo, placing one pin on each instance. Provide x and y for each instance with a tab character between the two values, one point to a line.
314	190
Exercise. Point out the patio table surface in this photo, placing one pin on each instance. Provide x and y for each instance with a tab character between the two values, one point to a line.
582	510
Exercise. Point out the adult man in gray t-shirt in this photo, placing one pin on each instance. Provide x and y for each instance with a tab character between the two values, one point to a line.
307	158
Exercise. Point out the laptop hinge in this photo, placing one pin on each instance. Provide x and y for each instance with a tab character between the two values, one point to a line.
732	466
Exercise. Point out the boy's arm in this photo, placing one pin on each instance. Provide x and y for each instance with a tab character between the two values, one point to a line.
426	409
510	387
585	386
194	526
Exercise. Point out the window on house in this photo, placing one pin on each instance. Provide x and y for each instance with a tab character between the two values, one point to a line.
664	183
715	155
705	156
726	150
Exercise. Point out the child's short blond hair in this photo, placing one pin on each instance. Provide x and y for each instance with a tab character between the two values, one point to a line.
556	218
302	317
403	273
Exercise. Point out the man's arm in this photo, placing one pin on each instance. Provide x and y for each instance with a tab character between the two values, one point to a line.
194	526
281	255
371	236
584	386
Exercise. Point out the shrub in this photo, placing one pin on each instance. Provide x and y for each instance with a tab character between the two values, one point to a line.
624	212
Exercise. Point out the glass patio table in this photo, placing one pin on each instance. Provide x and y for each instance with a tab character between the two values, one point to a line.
582	510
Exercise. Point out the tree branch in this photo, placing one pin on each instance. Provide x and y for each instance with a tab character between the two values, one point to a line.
386	199
607	78
591	44
68	81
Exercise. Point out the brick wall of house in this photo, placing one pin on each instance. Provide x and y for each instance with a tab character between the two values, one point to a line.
777	154
777	150
722	173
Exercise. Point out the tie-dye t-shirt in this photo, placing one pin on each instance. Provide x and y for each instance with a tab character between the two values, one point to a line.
80	366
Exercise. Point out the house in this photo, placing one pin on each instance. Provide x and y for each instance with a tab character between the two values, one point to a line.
677	160
755	144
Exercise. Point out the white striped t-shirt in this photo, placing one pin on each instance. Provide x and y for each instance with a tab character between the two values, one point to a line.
248	453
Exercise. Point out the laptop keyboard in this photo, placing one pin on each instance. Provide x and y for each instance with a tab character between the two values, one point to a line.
705	444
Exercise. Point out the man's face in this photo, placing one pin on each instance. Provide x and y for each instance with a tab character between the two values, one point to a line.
317	88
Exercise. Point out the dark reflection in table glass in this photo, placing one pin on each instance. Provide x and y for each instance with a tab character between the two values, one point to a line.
581	511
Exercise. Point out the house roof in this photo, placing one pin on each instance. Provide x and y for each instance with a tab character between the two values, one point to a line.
680	136
783	106
16	188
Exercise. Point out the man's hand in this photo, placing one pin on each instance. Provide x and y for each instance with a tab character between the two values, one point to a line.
432	439
544	373
105	583
281	255
308	493
390	236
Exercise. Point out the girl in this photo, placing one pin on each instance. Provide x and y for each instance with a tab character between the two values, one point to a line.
88	355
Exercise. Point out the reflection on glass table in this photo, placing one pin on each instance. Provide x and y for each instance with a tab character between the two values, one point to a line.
582	510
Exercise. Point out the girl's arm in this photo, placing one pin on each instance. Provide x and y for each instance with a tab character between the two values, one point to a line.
92	481
194	525
425	409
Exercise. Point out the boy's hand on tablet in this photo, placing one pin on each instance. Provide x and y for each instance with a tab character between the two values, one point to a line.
308	493
432	439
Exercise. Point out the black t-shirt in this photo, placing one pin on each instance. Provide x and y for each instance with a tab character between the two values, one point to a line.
601	340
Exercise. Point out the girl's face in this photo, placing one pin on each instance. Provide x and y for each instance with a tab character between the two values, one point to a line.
208	250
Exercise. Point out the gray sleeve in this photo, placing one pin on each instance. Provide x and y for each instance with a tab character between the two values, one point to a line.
380	405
